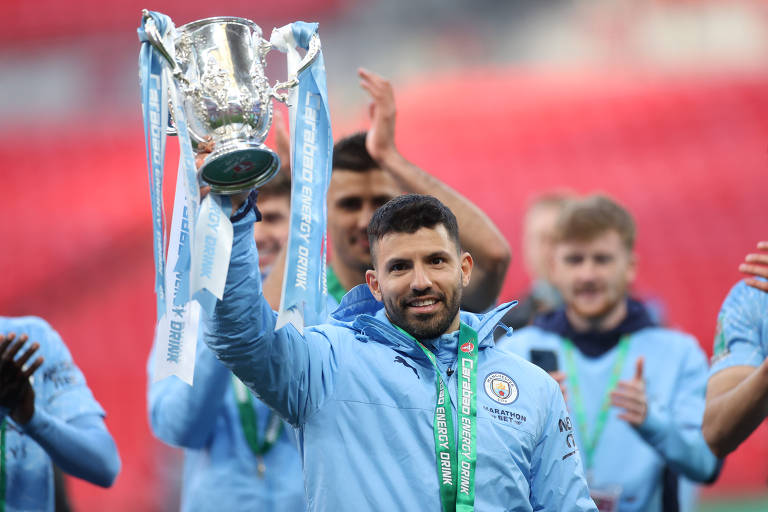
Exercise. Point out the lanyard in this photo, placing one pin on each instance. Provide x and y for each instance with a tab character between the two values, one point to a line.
3	471
453	464
590	443
249	421
335	289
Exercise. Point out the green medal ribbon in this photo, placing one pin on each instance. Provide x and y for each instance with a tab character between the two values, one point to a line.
332	283
3	471
457	466
590	442
249	421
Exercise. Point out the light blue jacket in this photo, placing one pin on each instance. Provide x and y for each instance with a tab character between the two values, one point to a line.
362	396
742	329
66	428
220	470
675	373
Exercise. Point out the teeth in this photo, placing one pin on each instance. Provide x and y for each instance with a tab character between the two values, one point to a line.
425	302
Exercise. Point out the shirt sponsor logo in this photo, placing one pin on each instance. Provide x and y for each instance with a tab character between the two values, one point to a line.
505	416
501	388
399	359
565	427
467	347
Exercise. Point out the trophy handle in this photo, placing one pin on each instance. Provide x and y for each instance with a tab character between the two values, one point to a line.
293	81
156	40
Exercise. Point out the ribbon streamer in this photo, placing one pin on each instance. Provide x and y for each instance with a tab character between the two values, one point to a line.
303	299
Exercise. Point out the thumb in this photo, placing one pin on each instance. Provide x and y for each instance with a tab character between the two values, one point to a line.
639	368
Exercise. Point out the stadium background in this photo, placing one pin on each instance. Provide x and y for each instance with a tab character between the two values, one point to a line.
663	104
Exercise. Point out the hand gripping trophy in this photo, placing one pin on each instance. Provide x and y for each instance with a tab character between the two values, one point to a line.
206	83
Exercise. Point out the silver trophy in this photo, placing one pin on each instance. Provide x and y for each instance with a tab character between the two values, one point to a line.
218	65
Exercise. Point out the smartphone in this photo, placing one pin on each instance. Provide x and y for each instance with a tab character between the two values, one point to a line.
544	359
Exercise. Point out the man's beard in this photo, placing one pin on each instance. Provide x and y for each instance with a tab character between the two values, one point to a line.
424	326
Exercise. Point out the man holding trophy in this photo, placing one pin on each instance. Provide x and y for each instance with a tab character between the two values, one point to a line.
397	401
238	453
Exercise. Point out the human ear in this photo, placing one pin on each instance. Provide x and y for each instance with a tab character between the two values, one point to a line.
373	284
466	268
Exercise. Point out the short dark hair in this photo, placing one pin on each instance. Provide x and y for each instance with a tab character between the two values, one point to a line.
409	213
279	186
350	154
583	220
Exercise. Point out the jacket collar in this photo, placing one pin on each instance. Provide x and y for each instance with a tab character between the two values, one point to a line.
362	313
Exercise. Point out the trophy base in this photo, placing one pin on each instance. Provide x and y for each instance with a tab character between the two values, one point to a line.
238	167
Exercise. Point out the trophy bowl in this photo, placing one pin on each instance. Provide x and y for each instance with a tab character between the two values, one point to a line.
218	65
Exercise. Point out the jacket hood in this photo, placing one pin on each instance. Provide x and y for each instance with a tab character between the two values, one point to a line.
362	313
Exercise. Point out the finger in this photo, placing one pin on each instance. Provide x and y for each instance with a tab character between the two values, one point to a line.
630	387
756	283
626	400
200	159
757	258
33	367
6	340
21	361
763	246
10	354
369	76
632	418
204	191
755	270
639	368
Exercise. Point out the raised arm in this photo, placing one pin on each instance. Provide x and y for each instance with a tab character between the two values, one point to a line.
737	391
290	372
479	235
675	432
81	446
183	415
72	433
737	402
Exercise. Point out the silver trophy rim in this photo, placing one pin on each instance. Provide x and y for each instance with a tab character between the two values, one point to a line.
192	25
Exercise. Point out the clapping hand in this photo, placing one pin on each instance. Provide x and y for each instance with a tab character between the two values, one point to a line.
16	392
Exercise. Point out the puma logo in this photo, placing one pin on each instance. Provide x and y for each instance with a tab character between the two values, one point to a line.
399	359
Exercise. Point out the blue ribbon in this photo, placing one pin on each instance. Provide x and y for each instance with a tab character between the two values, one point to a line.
155	112
304	288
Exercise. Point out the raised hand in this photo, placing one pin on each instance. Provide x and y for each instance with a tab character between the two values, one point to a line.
630	396
380	141
756	264
16	392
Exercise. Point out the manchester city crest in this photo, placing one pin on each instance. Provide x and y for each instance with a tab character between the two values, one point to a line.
501	388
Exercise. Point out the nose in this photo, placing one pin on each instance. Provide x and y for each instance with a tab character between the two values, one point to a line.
587	270
365	215
420	280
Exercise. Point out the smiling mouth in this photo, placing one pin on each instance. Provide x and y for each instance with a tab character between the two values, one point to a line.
424	305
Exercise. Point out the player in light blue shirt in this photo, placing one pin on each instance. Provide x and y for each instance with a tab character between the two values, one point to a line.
47	415
386	421
635	390
238	454
737	391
